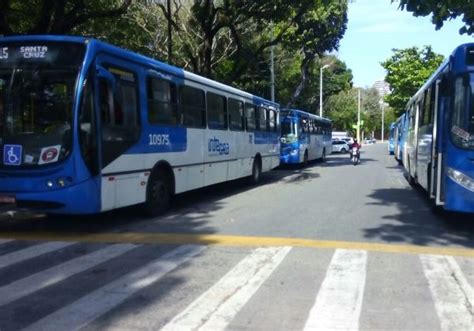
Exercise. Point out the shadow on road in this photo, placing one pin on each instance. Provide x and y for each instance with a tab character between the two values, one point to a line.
416	222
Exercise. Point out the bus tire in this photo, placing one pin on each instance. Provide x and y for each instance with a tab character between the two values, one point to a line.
158	193
256	171
305	159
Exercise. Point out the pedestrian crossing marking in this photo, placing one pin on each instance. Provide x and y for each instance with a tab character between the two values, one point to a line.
83	311
339	300
56	274
453	296
31	252
216	308
228	240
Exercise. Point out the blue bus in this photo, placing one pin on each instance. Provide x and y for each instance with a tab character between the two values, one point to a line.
400	137
391	135
304	137
87	127
440	138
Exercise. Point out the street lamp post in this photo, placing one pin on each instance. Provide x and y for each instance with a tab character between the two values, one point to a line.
382	104
321	89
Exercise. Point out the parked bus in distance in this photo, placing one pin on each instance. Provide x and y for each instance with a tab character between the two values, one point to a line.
400	137
304	137
440	139
88	127
391	134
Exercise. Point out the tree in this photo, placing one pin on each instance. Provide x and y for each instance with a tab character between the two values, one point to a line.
318	30
407	70
442	11
341	108
55	17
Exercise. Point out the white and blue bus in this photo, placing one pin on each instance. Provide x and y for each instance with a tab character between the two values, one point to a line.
304	137
391	138
400	137
439	148
87	127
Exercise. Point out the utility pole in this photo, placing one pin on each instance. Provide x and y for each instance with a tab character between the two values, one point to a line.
272	74
358	117
170	42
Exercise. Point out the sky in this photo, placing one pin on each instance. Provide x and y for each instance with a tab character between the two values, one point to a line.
375	27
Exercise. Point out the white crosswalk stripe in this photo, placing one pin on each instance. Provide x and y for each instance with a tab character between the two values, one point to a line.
31	252
339	300
54	275
4	241
342	296
452	294
217	306
85	310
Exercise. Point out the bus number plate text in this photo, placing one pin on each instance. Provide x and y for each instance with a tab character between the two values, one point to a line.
159	139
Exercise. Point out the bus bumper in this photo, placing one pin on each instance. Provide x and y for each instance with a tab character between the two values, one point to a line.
458	198
75	199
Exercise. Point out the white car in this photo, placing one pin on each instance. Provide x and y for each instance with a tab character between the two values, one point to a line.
340	146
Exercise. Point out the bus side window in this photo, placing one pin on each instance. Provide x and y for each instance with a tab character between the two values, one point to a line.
262	119
87	129
216	111
250	117
162	101
236	114
272	121
105	102
193	107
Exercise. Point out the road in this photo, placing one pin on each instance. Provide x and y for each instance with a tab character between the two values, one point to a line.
330	246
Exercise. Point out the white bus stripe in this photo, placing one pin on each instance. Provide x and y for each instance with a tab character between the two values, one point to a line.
214	309
88	308
56	274
339	300
31	252
453	296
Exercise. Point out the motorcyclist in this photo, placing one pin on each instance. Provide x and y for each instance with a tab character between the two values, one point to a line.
356	144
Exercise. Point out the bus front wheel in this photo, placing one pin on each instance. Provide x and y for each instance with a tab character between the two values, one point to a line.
158	193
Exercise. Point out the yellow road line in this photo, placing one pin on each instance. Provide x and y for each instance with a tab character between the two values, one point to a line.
223	240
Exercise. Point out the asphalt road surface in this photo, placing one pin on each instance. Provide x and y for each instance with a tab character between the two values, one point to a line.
327	247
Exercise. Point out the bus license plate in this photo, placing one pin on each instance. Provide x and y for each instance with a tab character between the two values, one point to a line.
8	199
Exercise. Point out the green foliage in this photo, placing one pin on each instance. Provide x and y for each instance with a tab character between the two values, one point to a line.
442	11
221	39
341	108
55	17
407	70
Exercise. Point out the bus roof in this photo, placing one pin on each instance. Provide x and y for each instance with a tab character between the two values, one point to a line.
295	112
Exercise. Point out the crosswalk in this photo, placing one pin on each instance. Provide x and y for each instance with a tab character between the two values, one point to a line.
197	287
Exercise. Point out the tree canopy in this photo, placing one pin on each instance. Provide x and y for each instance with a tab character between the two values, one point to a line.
407	70
442	11
225	40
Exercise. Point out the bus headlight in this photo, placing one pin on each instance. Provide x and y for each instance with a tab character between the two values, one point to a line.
461	179
294	152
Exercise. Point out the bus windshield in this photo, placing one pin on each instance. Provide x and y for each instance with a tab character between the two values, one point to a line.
288	132
37	85
462	124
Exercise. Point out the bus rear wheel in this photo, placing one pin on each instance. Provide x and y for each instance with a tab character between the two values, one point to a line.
256	172
158	193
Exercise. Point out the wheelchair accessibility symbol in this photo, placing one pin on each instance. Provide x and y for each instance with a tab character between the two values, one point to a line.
12	154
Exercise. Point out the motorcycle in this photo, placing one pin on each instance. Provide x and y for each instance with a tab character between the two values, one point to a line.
355	156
